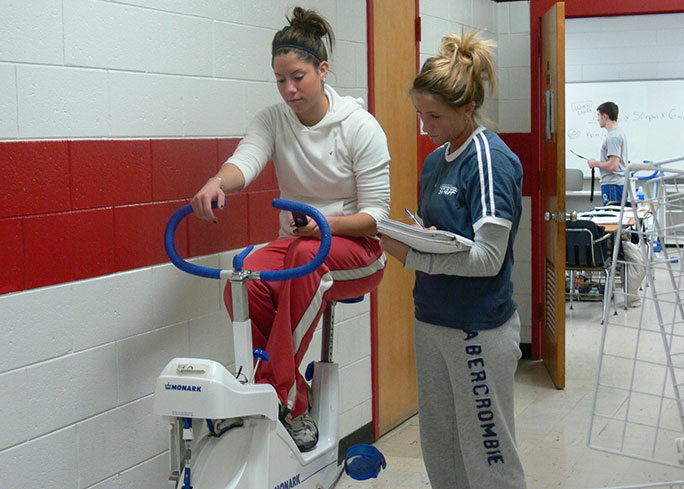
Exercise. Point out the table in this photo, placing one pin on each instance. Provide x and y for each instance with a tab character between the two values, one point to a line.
609	218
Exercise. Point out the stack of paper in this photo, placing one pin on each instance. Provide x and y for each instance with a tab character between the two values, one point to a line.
425	240
607	217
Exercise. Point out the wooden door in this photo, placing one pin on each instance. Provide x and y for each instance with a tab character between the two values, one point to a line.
553	188
394	68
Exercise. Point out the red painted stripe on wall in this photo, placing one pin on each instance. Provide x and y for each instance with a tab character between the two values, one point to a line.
71	210
521	145
108	173
170	160
34	178
67	246
11	255
137	228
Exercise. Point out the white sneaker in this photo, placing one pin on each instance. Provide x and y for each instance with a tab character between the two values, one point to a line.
303	430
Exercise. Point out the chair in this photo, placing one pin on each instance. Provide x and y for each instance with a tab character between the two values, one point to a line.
586	248
574	179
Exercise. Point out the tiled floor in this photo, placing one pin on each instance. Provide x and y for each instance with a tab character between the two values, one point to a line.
551	425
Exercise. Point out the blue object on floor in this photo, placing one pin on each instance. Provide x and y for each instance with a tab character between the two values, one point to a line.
363	462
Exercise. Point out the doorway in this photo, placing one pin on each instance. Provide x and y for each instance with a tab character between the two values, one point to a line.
573	9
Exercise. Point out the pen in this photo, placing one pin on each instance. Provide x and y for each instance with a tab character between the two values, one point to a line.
414	218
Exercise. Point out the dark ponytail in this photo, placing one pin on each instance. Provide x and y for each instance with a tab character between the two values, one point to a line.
306	36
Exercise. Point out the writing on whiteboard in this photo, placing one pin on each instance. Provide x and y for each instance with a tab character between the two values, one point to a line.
645	116
651	117
587	108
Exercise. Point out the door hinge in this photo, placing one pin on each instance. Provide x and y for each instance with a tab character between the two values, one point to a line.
418	30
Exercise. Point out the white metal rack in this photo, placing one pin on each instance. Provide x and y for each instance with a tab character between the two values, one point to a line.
638	407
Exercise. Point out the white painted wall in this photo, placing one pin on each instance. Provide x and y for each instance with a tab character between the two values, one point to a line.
514	66
622	48
441	17
152	68
508	24
636	47
80	358
508	109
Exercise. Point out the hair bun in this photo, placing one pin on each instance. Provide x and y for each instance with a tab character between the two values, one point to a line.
307	30
460	72
456	49
308	20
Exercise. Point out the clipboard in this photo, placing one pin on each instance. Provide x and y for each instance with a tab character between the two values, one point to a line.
425	240
593	176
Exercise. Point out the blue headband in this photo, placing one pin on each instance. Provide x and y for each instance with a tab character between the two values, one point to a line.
301	48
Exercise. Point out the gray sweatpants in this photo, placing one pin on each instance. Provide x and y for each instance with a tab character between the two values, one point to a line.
465	397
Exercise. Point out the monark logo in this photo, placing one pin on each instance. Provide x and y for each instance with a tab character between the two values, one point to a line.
181	387
290	483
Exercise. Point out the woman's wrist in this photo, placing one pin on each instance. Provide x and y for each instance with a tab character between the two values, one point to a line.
220	180
332	223
354	226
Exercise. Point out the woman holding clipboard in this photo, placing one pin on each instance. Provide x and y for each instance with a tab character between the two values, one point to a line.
467	329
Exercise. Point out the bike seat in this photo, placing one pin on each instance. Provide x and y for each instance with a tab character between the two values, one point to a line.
353	300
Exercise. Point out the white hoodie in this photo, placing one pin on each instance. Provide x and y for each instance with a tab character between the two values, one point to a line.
339	166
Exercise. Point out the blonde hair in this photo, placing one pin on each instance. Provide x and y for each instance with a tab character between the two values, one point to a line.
460	73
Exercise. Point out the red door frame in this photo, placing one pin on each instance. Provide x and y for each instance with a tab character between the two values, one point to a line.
573	9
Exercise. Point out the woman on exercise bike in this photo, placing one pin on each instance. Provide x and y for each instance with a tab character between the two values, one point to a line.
329	153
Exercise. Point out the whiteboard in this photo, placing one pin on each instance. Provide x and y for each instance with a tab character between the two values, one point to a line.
651	115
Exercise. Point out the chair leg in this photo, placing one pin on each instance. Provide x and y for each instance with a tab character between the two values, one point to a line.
625	284
605	302
612	297
606	299
572	286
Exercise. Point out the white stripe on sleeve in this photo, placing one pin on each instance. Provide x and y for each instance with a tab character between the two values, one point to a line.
490	173
482	180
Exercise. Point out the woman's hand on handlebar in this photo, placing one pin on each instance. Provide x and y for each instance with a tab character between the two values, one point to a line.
229	179
311	229
355	225
201	202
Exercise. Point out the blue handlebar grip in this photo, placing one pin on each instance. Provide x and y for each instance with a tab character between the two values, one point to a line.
323	250
653	175
170	244
260	354
267	275
239	259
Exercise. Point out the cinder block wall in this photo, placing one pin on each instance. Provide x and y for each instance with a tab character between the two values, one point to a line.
112	114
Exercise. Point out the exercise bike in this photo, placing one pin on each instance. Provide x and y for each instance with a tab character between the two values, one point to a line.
255	450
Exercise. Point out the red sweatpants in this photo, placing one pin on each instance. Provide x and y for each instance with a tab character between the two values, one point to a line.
284	314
